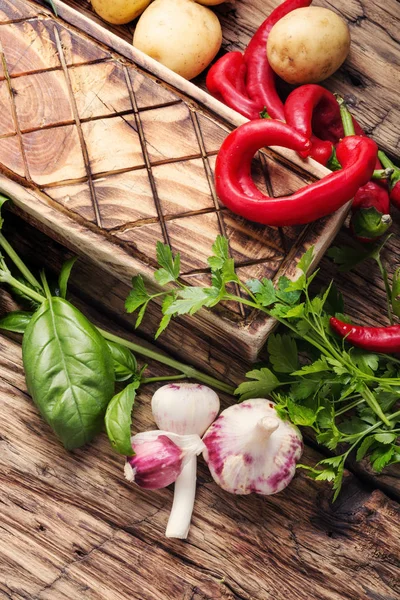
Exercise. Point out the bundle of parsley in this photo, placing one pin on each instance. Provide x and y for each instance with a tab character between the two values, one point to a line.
348	397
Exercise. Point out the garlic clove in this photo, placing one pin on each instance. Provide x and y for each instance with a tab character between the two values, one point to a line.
185	408
249	448
160	457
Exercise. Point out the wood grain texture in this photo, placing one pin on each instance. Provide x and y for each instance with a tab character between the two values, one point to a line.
73	528
130	159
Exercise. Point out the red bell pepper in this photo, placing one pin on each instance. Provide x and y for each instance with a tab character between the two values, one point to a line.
238	192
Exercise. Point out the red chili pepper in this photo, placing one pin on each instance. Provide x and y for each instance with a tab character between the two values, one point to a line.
238	192
370	217
226	82
299	108
394	183
260	79
327	123
310	104
375	339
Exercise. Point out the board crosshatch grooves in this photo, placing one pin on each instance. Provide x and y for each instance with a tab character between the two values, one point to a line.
127	160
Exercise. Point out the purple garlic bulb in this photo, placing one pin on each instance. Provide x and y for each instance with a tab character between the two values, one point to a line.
249	448
160	457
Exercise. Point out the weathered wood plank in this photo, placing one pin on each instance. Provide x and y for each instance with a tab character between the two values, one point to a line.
72	526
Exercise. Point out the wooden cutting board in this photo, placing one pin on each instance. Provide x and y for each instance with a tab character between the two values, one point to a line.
108	151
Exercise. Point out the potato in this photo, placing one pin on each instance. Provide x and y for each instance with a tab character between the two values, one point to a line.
119	11
210	2
308	45
180	34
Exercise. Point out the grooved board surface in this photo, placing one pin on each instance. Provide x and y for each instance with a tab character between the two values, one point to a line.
131	159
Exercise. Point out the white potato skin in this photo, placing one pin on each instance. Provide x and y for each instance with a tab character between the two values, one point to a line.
119	12
181	34
308	45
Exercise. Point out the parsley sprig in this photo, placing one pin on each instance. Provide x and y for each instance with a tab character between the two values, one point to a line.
348	397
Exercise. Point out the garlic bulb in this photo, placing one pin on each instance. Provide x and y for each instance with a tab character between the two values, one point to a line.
249	448
184	408
160	457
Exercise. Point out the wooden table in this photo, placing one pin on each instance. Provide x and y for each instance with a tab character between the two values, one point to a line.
73	529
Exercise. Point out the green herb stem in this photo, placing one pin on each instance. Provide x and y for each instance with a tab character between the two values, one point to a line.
188	371
8	278
349	407
387	288
21	266
146	380
374	405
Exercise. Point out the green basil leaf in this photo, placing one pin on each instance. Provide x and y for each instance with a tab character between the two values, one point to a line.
69	371
118	419
64	275
125	365
16	321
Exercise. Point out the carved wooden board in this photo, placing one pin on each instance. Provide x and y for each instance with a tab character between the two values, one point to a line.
110	159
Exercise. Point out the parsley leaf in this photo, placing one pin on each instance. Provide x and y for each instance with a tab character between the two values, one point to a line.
283	354
170	266
138	295
221	253
192	299
285	291
304	263
300	415
264	291
264	382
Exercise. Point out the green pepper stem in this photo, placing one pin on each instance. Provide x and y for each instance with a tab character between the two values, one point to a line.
382	173
347	119
18	262
387	163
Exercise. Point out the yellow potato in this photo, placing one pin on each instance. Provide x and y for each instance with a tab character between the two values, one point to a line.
119	11
210	2
308	45
180	34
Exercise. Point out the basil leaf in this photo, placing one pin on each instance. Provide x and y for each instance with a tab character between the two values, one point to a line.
118	419
16	321
69	371
64	275
125	365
